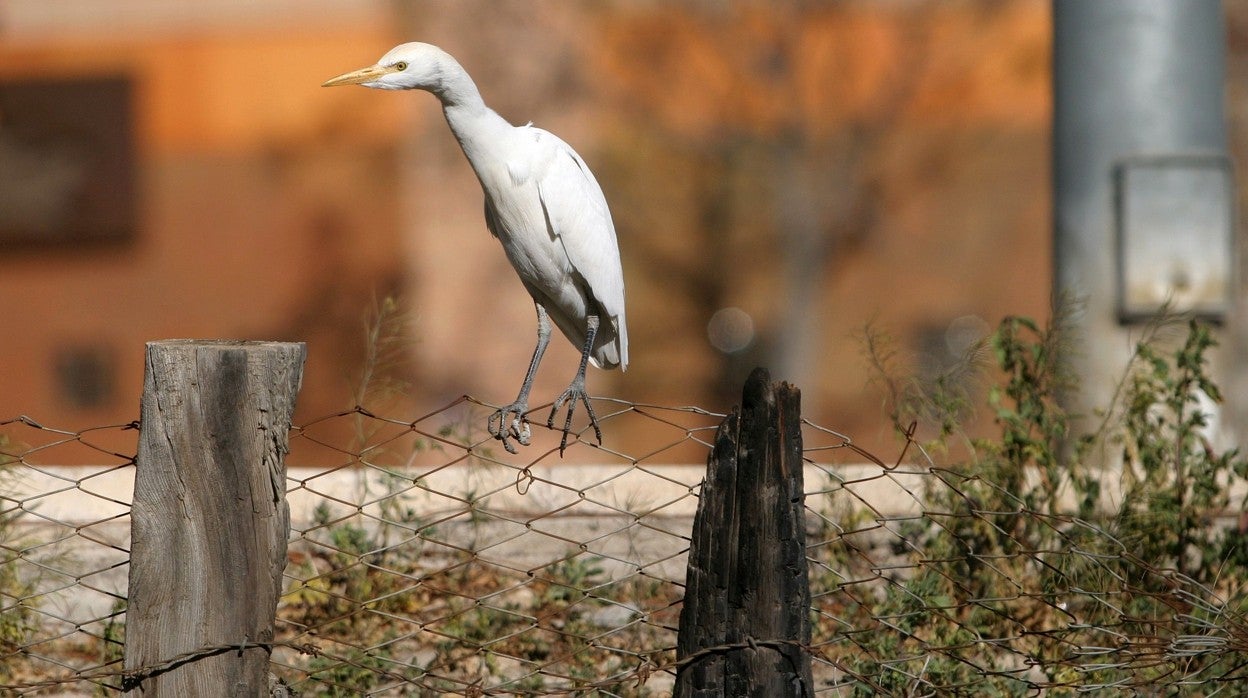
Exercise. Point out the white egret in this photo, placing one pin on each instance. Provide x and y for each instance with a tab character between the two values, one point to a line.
547	210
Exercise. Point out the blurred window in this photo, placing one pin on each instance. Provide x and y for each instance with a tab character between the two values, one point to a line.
67	164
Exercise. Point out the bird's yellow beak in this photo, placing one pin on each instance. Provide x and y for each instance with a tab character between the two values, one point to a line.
355	77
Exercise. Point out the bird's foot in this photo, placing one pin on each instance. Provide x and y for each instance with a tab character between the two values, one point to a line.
575	392
510	423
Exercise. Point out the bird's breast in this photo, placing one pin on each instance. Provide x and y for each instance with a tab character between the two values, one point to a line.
536	253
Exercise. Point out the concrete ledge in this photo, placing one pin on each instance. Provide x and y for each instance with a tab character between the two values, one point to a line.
83	495
78	496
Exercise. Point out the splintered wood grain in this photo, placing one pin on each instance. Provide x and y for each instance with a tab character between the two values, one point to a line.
745	623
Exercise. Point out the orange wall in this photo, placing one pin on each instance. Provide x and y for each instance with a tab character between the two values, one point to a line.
257	191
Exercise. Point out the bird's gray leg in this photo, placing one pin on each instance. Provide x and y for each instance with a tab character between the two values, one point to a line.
518	427
576	391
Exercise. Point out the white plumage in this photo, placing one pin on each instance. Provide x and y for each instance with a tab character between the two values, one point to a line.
545	207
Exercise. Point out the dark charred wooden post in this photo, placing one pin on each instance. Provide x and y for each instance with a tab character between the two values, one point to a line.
745	624
209	520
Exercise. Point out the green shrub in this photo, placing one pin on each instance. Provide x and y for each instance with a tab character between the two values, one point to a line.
1024	572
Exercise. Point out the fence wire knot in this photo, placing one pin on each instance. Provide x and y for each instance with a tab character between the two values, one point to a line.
133	679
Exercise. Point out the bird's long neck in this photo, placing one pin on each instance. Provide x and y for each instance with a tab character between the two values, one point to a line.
475	125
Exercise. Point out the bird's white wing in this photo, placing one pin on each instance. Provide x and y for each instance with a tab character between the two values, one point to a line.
576	213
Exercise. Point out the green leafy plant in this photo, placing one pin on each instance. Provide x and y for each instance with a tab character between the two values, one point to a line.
1026	570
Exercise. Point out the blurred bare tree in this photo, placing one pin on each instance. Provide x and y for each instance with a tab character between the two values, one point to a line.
775	125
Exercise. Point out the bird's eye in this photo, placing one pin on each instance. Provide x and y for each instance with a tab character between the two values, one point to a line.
401	65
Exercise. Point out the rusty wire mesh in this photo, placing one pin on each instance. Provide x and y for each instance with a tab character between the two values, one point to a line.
424	560
434	562
64	554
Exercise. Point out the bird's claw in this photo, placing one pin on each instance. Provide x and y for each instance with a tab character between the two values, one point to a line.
517	428
575	392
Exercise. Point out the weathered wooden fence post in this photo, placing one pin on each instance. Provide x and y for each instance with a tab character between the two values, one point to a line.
209	520
745	624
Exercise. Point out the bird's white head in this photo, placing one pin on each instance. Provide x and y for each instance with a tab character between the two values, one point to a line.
412	66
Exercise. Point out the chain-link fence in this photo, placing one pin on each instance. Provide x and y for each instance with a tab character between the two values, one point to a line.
425	560
431	561
64	555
